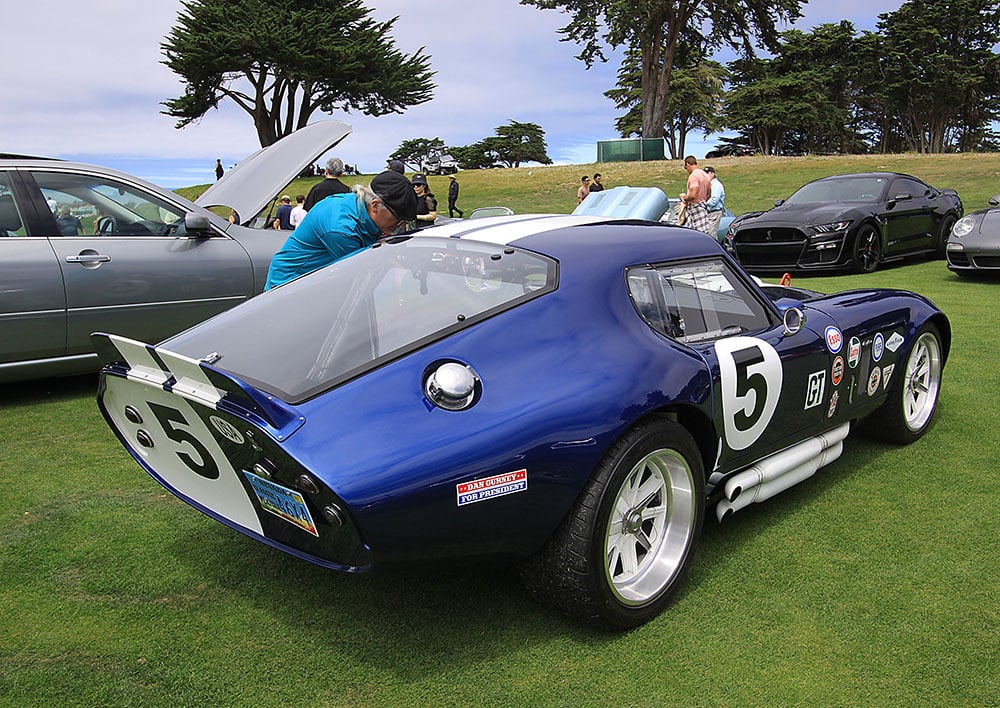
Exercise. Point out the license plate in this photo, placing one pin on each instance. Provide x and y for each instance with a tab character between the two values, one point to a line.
289	504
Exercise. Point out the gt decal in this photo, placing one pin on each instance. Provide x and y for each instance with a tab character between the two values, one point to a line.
750	378
815	389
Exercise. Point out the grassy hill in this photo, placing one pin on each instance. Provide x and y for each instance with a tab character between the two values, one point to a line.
752	183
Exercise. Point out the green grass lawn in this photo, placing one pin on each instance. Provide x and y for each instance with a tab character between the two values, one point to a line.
876	582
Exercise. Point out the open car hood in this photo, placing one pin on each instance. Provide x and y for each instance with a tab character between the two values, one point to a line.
256	179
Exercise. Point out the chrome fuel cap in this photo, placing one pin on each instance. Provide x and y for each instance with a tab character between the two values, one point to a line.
451	386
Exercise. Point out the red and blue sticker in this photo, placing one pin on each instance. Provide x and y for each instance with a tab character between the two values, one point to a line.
834	339
499	485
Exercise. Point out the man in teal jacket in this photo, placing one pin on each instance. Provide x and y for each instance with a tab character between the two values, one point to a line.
342	224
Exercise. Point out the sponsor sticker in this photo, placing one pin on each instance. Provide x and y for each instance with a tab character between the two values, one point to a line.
834	339
874	379
878	347
227	429
886	373
286	503
834	399
853	352
892	344
837	372
815	388
499	485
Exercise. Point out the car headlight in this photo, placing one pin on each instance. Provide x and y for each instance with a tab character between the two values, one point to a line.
831	227
963	227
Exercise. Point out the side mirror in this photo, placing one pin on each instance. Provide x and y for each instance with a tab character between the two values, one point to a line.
779	202
792	318
995	201
196	224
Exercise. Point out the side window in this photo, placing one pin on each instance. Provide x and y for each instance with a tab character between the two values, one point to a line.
11	223
696	302
84	204
912	187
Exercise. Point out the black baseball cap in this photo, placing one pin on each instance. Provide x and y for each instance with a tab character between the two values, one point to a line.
397	193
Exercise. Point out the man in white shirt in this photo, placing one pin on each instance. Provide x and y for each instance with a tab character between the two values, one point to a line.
716	202
298	211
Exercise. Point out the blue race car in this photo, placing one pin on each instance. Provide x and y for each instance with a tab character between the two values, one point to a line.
569	392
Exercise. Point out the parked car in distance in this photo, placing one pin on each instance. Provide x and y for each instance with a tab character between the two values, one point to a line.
439	165
86	248
855	221
572	392
974	243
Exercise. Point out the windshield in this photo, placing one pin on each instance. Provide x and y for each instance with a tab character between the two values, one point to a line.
849	189
312	333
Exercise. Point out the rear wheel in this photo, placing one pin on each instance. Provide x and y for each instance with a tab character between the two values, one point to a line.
623	548
867	250
913	395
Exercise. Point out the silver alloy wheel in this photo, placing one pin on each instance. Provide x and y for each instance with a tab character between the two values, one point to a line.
921	381
652	527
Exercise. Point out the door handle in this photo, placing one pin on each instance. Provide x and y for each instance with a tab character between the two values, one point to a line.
89	259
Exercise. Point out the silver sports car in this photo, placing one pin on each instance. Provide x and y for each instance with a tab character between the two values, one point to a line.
85	249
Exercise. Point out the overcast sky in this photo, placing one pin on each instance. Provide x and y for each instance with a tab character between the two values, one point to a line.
85	82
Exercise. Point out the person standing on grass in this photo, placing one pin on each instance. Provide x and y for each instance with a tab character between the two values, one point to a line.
453	198
716	203
584	189
699	189
330	184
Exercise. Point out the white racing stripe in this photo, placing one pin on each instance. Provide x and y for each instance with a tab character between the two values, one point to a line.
506	230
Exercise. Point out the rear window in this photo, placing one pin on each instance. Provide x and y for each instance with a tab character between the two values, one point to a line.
304	337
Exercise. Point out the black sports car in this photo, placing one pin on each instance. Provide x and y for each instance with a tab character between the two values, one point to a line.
974	244
855	221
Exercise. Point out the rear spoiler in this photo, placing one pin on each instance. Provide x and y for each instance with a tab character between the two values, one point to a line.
197	381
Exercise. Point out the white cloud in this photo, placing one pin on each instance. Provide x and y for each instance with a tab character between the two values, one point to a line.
92	82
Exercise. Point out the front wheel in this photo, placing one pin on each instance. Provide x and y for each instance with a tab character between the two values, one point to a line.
942	243
623	548
867	250
913	395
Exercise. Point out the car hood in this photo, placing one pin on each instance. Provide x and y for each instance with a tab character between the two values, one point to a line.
255	181
801	214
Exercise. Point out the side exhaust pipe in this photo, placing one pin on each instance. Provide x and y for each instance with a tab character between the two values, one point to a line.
782	470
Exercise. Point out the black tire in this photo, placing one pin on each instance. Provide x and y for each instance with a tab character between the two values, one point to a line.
913	394
622	550
942	243
867	251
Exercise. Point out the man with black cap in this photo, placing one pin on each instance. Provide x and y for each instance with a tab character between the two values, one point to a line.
341	224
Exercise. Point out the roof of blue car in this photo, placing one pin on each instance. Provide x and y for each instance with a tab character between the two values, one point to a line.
561	236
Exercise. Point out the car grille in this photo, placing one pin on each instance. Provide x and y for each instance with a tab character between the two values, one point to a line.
778	247
986	261
771	236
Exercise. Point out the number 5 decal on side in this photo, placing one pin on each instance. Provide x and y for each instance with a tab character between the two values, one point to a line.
750	372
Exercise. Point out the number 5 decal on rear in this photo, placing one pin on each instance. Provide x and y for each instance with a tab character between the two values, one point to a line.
750	372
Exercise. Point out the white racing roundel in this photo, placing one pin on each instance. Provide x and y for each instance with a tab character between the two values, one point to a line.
750	372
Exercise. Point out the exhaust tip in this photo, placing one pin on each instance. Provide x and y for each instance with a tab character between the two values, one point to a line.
734	493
